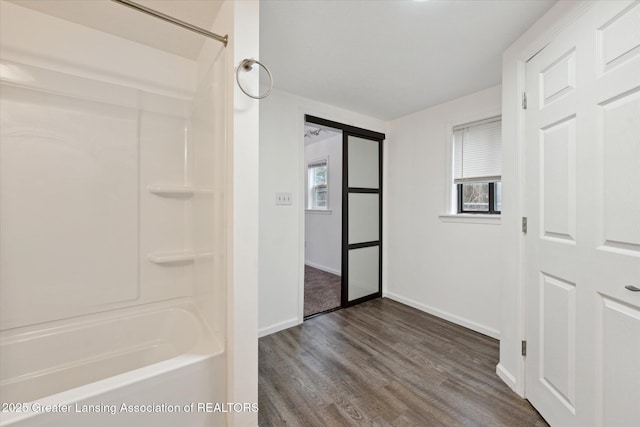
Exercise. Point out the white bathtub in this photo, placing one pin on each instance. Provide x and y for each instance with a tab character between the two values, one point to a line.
154	365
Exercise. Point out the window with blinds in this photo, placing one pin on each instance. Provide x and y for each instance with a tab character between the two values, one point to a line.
318	184
477	169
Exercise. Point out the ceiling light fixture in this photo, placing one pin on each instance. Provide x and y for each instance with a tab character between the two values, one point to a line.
312	132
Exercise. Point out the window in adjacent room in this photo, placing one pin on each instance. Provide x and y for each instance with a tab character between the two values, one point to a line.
478	166
318	184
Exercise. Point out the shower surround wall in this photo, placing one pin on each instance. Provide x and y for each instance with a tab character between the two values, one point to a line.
112	220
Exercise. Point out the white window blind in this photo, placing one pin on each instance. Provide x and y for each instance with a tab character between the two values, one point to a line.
318	164
477	151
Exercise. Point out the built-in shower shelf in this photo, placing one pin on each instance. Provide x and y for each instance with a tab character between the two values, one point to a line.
177	191
171	257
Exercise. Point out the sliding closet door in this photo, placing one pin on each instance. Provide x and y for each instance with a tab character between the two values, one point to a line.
362	219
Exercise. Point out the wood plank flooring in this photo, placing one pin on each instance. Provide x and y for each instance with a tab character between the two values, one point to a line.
382	363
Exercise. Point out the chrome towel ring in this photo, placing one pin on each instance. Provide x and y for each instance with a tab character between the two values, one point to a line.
247	65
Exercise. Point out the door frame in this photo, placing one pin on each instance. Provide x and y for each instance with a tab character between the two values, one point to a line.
349	130
543	32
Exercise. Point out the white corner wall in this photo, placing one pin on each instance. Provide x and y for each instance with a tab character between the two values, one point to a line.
449	269
241	21
323	229
282	169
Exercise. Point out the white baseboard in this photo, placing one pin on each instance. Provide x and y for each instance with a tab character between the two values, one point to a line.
469	324
323	268
506	376
277	327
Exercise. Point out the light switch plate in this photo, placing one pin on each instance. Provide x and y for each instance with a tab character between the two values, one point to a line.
283	199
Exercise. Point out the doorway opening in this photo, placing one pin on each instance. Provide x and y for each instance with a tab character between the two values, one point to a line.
343	215
323	219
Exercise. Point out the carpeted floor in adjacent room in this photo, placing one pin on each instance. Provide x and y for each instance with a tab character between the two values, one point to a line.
321	291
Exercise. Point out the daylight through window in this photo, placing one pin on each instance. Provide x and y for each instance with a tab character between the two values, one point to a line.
478	166
318	185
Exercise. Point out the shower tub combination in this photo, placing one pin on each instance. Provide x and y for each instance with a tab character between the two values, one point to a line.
112	228
154	365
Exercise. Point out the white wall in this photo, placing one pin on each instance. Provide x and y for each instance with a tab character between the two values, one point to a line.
240	19
422	251
323	229
282	227
451	269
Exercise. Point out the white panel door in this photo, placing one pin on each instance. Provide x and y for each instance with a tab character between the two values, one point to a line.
582	250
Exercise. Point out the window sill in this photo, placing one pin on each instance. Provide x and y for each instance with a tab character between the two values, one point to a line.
319	211
472	218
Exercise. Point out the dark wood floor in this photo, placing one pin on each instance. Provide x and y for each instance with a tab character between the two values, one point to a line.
382	363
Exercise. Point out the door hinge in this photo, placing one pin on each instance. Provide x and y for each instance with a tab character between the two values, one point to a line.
524	100
524	348
524	224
